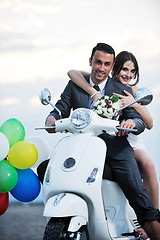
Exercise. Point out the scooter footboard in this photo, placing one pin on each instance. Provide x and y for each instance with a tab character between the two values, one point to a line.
65	205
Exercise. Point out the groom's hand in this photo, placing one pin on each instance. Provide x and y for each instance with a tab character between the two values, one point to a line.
49	123
129	123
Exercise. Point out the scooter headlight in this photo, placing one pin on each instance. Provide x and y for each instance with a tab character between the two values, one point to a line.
80	118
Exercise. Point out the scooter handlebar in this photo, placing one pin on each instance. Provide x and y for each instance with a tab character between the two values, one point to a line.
41	128
134	130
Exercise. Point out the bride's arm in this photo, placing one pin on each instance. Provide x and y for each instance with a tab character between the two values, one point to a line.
142	110
78	78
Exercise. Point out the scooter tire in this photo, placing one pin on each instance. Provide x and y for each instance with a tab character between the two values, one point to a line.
56	229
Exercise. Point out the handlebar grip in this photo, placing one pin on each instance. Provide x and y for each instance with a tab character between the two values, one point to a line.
41	128
127	129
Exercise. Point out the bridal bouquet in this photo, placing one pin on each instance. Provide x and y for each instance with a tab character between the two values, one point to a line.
106	106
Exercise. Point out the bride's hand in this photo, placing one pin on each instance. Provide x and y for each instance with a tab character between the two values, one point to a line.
125	99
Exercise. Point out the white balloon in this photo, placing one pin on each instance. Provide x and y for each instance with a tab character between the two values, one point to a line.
43	149
4	146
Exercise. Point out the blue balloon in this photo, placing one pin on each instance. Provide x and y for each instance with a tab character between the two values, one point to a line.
28	186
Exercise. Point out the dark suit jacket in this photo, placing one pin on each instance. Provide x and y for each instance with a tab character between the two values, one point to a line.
118	148
74	97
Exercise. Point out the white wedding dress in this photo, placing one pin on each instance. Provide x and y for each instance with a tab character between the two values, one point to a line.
136	141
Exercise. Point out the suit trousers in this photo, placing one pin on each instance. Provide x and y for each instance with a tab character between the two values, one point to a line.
121	166
124	169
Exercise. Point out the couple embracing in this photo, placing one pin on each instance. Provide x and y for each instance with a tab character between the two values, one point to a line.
121	149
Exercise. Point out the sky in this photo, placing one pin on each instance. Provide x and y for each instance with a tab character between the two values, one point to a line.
42	39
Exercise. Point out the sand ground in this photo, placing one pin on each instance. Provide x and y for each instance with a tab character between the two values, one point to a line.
22	222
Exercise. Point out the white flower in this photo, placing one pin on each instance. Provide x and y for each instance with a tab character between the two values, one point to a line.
99	109
96	103
106	106
103	103
116	105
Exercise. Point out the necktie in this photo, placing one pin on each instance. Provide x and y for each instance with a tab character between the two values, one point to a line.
96	87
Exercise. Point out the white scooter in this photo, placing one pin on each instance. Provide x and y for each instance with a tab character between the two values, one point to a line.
79	204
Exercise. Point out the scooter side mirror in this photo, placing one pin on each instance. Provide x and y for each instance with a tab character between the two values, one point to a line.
45	98
142	96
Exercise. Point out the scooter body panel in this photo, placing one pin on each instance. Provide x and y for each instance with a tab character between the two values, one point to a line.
76	166
76	179
64	205
74	159
115	205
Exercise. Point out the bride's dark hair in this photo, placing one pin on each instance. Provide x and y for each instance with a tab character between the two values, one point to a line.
120	59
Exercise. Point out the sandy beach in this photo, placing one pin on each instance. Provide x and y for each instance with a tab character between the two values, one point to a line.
22	222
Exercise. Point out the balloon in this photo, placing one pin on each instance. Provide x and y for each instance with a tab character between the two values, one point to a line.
22	155
4	146
28	186
42	148
8	176
4	201
13	130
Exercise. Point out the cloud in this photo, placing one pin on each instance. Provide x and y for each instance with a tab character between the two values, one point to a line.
156	94
20	5
16	42
156	89
9	101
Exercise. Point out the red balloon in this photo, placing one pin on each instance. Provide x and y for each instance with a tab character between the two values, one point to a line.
4	201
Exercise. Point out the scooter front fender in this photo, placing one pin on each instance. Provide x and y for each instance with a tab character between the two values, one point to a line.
65	205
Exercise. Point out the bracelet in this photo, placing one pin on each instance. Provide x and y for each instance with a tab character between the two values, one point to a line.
95	94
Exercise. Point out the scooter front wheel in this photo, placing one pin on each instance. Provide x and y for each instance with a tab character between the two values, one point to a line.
56	229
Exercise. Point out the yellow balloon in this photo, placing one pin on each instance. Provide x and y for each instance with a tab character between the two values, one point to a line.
23	155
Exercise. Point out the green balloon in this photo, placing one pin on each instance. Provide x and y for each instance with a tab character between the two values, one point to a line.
8	176
13	130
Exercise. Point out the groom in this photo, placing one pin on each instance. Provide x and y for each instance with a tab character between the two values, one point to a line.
120	155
